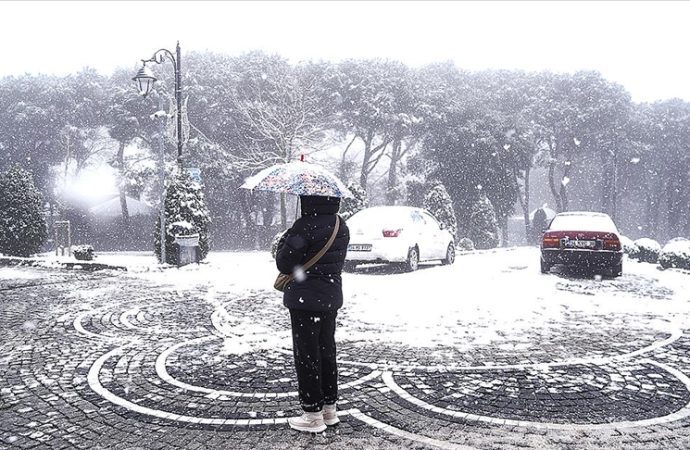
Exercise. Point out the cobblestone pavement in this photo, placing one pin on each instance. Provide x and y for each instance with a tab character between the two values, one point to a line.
106	360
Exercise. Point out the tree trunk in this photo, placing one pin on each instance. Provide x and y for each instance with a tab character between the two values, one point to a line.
268	202
525	210
250	235
364	174
283	211
344	169
372	156
552	186
524	202
564	186
391	189
122	185
653	200
606	189
503	222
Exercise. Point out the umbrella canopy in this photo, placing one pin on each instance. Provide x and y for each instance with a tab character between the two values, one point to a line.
298	178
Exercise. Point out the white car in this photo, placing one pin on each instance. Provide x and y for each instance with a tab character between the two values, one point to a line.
401	235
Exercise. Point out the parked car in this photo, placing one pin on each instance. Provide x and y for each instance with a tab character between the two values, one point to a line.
582	239
400	235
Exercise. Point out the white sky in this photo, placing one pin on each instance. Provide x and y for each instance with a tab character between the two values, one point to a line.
642	45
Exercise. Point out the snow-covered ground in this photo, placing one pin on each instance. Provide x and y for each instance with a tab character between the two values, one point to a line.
13	273
495	298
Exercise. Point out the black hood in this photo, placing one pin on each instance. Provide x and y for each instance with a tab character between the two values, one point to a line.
314	205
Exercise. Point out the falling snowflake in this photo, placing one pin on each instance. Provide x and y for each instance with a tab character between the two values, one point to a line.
506	147
299	274
565	181
576	141
635	160
479	187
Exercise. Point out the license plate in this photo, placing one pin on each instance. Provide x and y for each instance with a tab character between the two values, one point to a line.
359	247
580	244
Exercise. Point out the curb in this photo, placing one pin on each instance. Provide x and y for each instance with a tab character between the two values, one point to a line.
491	250
6	261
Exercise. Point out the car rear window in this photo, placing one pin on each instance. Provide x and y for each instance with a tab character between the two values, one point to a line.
583	222
380	217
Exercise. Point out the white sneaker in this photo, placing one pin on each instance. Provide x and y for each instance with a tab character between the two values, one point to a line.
329	415
311	422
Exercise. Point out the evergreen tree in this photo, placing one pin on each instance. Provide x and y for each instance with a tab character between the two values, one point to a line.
22	226
185	214
350	206
439	204
483	224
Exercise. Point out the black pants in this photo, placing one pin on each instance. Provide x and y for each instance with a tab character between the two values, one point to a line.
313	343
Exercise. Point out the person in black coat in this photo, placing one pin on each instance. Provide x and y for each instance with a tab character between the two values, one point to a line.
313	298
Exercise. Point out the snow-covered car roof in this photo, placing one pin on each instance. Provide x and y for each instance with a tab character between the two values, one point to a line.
583	221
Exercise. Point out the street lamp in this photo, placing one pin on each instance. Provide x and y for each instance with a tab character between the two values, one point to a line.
145	79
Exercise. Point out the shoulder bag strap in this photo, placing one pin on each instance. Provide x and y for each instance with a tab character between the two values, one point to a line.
325	248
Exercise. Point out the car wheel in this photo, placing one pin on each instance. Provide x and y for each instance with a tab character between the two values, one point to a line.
412	263
450	255
349	266
545	267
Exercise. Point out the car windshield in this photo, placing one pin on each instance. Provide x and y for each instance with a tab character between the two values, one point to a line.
583	222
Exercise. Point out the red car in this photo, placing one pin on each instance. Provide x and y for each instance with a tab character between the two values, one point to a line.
583	239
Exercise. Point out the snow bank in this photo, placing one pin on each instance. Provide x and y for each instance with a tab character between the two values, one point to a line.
649	250
676	254
629	247
16	273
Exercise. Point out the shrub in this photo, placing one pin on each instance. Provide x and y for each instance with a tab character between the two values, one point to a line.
22	226
465	244
185	214
274	243
629	247
439	204
649	250
676	254
483	229
83	252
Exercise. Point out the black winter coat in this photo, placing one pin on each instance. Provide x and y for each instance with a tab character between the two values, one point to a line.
322	289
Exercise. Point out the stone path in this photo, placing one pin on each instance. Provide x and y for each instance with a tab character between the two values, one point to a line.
105	360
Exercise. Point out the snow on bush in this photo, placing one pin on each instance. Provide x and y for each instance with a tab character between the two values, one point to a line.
676	254
22	226
439	204
274	243
83	252
465	244
629	247
649	250
185	214
350	206
483	229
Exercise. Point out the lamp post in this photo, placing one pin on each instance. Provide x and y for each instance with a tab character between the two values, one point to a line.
145	80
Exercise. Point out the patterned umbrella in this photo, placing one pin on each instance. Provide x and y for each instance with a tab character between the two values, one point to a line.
298	178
